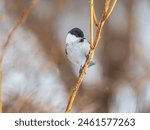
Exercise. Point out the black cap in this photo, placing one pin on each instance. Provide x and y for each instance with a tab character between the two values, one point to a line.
77	32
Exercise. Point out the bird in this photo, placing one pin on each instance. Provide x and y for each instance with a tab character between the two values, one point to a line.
77	47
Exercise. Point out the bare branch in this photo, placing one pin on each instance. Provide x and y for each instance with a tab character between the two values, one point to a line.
91	22
111	8
106	13
95	19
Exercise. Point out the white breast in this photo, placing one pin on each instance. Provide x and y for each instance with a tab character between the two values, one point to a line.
76	50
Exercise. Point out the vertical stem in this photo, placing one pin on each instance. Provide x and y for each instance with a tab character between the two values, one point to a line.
0	85
91	21
76	87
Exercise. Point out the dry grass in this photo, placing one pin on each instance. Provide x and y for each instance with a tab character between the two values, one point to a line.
108	8
19	22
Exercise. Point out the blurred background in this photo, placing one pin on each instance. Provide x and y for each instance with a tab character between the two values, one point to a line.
38	77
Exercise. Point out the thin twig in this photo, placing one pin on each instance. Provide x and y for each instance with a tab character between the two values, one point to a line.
107	4
90	54
19	22
0	86
106	13
95	18
91	22
111	8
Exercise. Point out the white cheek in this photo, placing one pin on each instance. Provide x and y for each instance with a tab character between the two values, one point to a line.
71	38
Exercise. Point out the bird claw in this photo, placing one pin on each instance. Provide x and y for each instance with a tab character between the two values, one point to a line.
91	64
81	70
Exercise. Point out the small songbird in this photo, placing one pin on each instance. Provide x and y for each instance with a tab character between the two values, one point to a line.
77	47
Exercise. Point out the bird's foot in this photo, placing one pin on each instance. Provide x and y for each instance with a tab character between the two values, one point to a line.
91	64
81	70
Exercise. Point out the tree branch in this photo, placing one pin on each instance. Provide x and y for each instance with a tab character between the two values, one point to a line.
95	19
91	22
106	13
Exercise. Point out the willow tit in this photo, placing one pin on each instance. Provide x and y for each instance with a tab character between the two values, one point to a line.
77	47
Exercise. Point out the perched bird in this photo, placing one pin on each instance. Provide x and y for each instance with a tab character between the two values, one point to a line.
77	47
